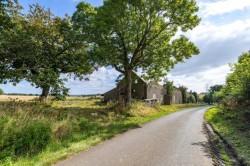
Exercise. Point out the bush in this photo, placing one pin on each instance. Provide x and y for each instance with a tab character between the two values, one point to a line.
191	99
33	138
24	137
237	86
1	92
63	130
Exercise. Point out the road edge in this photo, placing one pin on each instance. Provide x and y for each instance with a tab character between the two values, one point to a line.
213	138
139	126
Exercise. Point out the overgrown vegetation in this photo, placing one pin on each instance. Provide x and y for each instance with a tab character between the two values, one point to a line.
40	134
234	127
212	95
1	92
232	116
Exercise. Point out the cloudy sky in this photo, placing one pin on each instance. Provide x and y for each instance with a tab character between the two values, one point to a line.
222	36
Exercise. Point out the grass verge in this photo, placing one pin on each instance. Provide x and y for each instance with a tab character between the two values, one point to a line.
62	129
234	128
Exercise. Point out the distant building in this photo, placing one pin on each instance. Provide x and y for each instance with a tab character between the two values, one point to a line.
201	95
142	90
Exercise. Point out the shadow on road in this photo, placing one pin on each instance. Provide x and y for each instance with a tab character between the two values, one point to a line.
204	147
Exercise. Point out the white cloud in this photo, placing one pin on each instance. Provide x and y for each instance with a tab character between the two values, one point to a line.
100	82
219	45
222	7
197	81
210	32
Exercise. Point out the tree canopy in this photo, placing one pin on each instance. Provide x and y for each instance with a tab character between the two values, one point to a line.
236	92
39	48
6	10
140	34
169	86
184	93
210	97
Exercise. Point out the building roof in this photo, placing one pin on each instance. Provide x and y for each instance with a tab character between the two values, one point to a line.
139	77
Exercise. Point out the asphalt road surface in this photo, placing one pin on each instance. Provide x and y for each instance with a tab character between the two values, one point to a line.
173	140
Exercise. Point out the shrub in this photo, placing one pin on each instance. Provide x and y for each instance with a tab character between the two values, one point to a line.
191	99
1	92
33	138
24	137
169	87
63	130
237	86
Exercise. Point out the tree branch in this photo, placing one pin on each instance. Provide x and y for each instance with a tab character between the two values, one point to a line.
118	69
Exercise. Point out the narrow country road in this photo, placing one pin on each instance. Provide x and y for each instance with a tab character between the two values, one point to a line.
173	140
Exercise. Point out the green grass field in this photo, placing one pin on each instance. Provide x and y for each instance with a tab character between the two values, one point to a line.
41	134
234	127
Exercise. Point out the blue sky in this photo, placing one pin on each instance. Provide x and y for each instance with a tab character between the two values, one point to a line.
59	7
222	36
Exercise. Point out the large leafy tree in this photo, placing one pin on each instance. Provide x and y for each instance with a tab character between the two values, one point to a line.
211	97
195	94
6	9
9	10
40	48
139	34
238	82
184	93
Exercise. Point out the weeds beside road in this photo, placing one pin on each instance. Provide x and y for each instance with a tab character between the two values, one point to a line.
41	134
233	127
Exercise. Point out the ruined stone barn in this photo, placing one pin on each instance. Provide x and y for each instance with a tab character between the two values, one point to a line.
176	98
142	90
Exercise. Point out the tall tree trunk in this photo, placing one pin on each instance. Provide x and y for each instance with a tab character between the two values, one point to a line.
45	93
128	86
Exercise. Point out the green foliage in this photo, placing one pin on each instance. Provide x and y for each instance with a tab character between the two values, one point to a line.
208	98
128	35
215	88
169	87
231	120
183	90
23	137
211	97
235	95
191	99
39	48
232	126
7	7
1	92
195	96
67	127
238	82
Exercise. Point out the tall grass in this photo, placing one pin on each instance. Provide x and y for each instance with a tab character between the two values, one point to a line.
41	134
234	127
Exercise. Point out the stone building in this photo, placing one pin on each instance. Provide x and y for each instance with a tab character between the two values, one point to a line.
142	90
